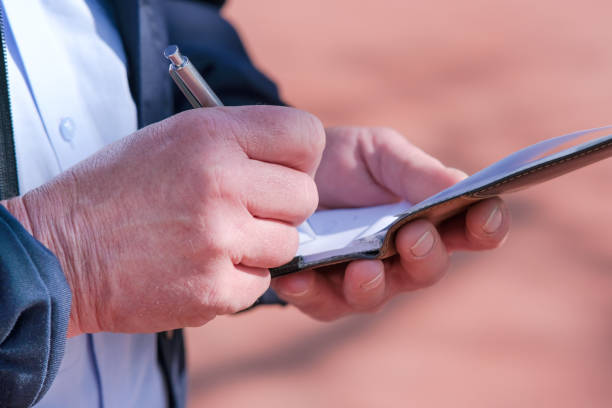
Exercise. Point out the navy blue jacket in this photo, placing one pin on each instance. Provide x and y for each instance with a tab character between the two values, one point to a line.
34	295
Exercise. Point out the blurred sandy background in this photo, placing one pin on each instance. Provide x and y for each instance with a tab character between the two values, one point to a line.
469	81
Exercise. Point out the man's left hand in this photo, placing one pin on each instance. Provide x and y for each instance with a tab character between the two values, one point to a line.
373	166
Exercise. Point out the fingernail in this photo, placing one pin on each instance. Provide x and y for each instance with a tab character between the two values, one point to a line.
493	222
462	174
424	244
373	283
296	286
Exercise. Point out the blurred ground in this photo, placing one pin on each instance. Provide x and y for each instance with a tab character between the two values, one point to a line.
471	81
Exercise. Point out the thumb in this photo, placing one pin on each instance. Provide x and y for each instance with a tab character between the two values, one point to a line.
408	171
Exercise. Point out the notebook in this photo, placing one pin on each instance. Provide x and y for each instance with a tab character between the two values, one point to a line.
337	236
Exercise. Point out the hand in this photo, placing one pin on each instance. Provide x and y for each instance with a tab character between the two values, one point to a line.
362	167
180	221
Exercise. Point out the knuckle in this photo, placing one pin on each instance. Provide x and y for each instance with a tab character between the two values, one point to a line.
187	125
278	246
311	194
306	199
220	242
237	290
288	246
198	172
310	134
223	301
315	131
214	240
197	296
210	186
201	127
211	181
383	136
207	293
162	131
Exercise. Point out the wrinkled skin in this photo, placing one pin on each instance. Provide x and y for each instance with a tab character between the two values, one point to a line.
180	221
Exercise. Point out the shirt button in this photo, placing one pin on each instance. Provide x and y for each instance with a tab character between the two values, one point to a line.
67	129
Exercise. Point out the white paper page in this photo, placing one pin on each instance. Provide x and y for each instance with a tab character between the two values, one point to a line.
328	232
334	229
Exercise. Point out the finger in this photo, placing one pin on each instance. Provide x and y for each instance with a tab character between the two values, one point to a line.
236	287
485	225
265	244
312	293
275	192
422	257
406	170
364	284
281	135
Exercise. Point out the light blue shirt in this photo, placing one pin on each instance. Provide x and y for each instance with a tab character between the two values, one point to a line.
69	98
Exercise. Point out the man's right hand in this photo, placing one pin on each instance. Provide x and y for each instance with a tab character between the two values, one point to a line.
180	221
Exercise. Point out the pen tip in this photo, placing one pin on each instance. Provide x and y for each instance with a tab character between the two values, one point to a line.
173	54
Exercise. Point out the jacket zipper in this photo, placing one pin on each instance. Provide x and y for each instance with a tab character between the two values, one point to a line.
9	183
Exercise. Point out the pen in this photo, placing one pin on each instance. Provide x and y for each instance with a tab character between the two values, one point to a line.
189	80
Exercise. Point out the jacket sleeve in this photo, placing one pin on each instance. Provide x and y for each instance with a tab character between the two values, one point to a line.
215	48
34	311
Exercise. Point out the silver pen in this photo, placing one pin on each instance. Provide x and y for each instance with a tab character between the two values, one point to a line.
189	80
